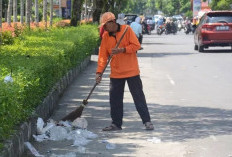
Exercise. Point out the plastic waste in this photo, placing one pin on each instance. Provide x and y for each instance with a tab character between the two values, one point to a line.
66	123
8	79
40	124
40	138
108	144
81	150
51	131
80	123
81	141
154	140
32	149
86	133
58	133
48	127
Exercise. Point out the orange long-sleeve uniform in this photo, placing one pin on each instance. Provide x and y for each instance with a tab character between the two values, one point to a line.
122	65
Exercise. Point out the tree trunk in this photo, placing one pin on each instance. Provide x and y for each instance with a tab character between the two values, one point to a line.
9	12
28	13
1	16
51	12
60	9
0	23
106	6
15	11
5	14
45	13
21	11
98	6
76	12
36	13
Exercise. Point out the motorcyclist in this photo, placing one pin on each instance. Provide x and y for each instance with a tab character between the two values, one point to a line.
145	26
160	21
160	25
188	25
168	26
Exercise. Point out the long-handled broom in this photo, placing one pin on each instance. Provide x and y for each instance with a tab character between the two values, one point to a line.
78	112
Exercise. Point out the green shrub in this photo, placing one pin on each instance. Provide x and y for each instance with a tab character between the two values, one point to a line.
38	59
6	38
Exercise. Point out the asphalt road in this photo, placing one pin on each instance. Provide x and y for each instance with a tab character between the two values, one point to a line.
188	95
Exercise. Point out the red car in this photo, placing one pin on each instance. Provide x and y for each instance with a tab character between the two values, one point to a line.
214	29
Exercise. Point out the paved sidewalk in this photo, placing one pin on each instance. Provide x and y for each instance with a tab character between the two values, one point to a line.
179	130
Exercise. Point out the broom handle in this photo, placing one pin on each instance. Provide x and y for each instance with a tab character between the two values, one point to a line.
109	59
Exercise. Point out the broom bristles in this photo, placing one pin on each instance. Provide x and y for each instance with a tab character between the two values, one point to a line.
74	114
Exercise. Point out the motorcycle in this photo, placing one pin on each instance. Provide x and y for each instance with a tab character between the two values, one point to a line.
188	28
161	29
171	28
146	29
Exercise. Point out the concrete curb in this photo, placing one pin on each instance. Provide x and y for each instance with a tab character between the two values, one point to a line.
14	147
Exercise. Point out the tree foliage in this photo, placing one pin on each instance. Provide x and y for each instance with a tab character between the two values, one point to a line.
221	4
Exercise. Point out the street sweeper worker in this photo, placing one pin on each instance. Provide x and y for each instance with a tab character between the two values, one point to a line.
124	68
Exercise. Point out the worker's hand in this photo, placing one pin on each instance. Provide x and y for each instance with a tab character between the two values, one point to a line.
118	50
98	77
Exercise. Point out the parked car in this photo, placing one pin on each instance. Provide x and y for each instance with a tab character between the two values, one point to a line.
214	29
178	17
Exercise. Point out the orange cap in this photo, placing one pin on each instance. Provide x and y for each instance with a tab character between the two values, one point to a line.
106	17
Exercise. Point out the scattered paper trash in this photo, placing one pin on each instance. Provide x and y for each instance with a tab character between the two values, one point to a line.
32	149
80	123
154	140
8	79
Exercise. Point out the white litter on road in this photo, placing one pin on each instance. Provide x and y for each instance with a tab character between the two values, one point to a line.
80	123
154	140
32	149
75	131
108	144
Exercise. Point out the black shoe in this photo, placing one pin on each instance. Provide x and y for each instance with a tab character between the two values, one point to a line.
112	127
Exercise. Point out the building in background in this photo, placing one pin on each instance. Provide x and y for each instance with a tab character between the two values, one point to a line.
65	9
199	7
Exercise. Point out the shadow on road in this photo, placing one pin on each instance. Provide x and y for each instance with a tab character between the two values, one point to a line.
160	54
217	51
172	123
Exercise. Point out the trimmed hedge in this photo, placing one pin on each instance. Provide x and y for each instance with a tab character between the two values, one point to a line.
38	59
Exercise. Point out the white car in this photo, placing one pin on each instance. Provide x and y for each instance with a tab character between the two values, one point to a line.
156	17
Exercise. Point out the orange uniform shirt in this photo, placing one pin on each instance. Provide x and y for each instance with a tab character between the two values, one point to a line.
122	65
